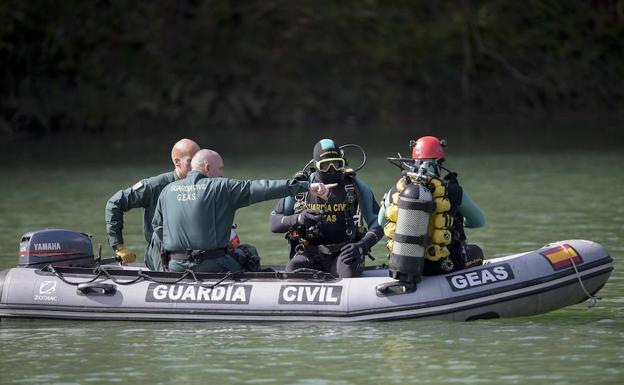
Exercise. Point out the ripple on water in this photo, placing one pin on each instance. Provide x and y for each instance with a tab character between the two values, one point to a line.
530	338
219	370
470	379
39	378
267	350
261	381
183	366
319	381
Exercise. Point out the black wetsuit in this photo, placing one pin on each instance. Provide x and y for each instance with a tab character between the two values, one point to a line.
323	246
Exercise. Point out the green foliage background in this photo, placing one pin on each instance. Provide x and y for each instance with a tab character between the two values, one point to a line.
137	67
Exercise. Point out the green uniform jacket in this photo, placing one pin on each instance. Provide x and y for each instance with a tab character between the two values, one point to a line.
143	194
196	213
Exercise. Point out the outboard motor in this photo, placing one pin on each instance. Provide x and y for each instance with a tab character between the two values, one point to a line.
407	259
56	247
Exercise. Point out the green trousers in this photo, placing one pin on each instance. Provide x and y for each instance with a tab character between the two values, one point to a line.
152	255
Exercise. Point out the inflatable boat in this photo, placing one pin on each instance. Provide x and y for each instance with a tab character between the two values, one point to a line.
557	275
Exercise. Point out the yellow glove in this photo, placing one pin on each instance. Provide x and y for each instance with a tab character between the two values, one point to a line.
126	255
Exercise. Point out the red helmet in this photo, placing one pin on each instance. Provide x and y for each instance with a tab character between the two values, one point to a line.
428	147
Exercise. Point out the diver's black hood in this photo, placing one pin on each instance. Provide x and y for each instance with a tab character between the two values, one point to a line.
325	149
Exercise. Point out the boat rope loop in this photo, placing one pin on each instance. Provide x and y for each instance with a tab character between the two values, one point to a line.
203	283
166	281
51	269
592	300
98	272
139	278
315	275
103	274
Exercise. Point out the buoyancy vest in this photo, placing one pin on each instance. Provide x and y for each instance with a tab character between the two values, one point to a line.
342	214
445	228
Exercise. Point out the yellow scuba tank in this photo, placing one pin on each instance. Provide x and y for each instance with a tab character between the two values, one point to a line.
442	220
436	252
392	212
441	237
389	229
442	204
437	188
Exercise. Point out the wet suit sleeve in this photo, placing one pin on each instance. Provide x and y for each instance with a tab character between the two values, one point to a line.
245	193
370	211
473	216
381	218
137	196
283	217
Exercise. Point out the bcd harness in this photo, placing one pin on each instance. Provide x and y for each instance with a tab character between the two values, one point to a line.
440	228
299	237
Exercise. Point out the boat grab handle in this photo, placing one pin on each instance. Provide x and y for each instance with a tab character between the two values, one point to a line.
96	288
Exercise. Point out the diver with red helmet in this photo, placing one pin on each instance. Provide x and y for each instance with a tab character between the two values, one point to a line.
448	211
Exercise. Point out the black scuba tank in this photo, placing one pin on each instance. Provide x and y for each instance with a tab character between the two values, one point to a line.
407	257
56	247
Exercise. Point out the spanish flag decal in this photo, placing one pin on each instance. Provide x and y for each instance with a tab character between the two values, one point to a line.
562	256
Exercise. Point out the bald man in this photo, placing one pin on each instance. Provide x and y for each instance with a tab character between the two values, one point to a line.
194	216
144	194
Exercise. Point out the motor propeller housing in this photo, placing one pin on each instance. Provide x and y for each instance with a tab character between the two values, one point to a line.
56	247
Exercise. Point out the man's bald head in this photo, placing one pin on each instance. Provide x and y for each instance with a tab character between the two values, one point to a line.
181	155
208	162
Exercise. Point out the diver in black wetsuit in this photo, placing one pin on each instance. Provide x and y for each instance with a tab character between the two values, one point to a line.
332	235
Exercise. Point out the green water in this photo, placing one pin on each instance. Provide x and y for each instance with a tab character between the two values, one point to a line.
529	200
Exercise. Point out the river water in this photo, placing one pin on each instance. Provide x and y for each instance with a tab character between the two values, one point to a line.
529	200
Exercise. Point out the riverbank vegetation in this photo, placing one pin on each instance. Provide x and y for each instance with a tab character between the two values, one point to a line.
135	68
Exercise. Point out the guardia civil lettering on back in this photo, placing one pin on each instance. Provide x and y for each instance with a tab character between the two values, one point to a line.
144	194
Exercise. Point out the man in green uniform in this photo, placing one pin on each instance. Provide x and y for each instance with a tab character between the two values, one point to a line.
144	194
194	216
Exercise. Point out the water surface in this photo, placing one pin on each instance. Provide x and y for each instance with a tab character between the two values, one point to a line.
529	200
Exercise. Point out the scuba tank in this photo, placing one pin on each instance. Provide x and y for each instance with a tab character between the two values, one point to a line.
441	221
407	257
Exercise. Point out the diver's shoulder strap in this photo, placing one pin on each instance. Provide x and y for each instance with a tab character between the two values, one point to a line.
353	212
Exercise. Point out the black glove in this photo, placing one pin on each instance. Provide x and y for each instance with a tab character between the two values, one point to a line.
301	176
352	253
309	218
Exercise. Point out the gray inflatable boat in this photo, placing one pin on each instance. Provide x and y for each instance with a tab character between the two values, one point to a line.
558	275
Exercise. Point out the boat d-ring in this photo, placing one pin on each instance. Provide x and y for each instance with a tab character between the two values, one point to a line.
394	288
96	288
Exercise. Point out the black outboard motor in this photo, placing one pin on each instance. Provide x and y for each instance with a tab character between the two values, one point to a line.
56	247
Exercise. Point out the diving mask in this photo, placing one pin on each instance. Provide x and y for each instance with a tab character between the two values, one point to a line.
338	164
